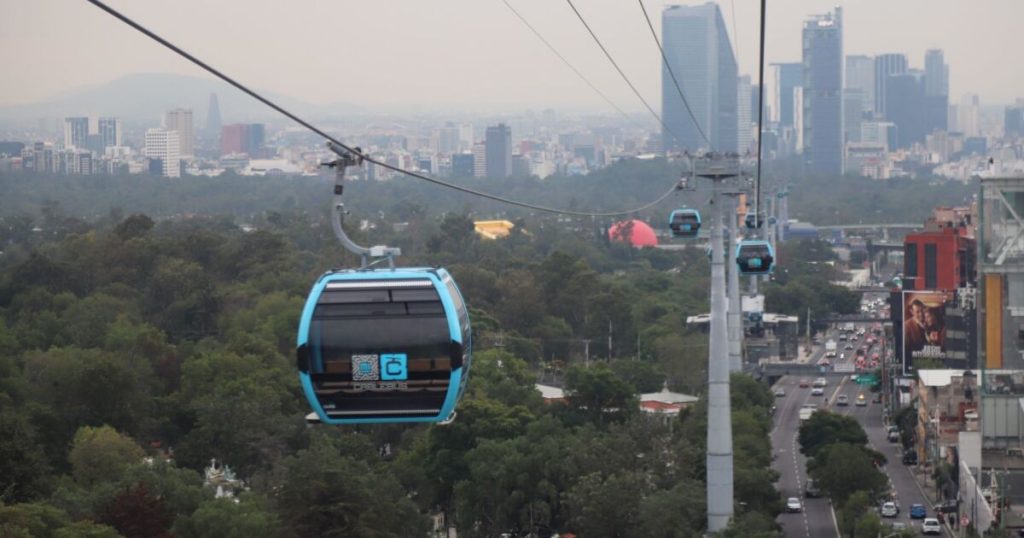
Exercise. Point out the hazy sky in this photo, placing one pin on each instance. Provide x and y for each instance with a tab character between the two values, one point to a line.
447	53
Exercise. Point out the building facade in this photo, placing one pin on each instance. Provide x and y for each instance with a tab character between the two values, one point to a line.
498	150
701	57
823	92
885	65
162	147
76	131
179	120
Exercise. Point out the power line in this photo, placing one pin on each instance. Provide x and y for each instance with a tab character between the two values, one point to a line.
668	67
617	68
356	151
567	63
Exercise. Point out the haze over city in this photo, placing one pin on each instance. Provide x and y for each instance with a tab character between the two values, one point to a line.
407	55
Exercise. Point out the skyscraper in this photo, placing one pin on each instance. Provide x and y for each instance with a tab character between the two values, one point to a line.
179	120
213	122
885	65
936	91
162	146
76	130
744	134
860	75
498	149
905	101
698	50
823	92
110	132
787	77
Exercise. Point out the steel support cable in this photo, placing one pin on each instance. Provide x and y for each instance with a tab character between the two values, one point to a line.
568	64
356	151
675	81
619	69
760	116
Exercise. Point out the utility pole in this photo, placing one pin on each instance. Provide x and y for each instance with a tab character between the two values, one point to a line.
719	436
735	311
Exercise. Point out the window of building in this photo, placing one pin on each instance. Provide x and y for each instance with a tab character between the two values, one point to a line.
909	261
930	269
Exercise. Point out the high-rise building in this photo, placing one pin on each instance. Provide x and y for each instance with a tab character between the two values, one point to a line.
76	130
479	160
213	122
744	134
462	165
234	139
256	140
498	147
969	115
860	75
936	91
882	133
787	77
823	92
110	132
162	145
904	97
1013	120
697	48
885	65
853	114
179	120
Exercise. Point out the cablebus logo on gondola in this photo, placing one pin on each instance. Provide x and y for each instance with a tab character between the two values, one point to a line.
384	372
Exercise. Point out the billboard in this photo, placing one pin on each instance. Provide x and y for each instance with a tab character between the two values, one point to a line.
924	328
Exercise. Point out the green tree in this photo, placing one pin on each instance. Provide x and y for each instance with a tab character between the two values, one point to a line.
251	517
824	429
327	494
23	465
136	513
102	455
598	392
843	469
606	506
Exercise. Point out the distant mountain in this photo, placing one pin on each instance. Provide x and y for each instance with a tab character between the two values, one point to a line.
146	96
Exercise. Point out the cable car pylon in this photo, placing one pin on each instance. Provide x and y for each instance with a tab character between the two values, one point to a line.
718	168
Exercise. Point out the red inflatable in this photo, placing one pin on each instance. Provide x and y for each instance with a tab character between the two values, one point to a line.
636	232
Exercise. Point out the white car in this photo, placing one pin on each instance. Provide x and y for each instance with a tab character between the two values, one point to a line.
793	505
817	391
931	526
889	509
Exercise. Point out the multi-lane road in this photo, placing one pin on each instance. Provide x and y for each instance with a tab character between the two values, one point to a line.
817	519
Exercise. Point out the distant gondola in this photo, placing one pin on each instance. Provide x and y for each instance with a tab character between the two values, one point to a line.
385	345
755	257
754	221
684	222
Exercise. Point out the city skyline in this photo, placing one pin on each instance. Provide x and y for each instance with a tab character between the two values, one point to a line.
92	48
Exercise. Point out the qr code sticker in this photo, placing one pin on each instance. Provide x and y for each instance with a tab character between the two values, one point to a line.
365	368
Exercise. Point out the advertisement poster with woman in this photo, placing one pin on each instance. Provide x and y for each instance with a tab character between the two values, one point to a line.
924	328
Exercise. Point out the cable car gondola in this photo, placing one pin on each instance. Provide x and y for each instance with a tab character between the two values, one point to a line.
684	222
384	345
755	257
753	221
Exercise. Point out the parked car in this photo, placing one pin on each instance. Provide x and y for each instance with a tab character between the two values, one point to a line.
890	509
893	434
910	457
918	511
931	526
793	505
842	400
947	507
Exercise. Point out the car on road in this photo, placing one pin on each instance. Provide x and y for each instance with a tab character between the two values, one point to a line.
817	391
780	392
898	527
824	362
918	511
821	382
931	526
910	457
843	400
889	509
877	398
861	400
893	434
793	505
811	490
804	383
848	346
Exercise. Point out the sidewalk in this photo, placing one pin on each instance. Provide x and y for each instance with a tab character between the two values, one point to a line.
925	483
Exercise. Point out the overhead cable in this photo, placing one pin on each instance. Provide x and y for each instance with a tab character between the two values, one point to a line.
356	151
